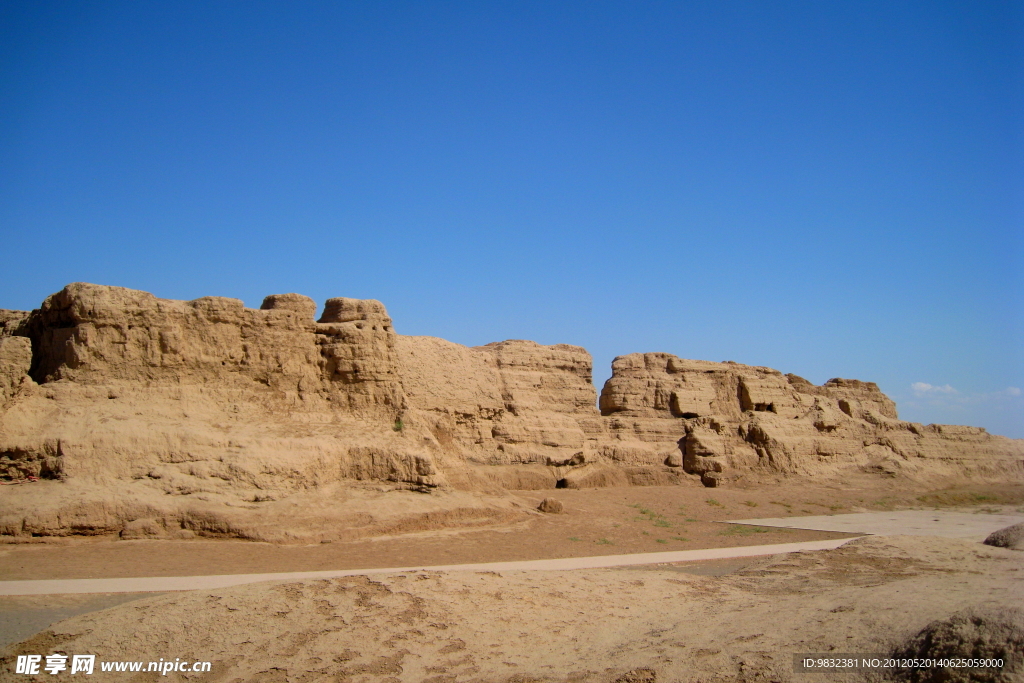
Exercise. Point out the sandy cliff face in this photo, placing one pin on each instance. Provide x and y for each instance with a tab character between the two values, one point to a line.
514	413
738	418
156	417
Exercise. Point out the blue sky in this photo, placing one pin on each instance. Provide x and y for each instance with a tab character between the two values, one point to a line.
830	189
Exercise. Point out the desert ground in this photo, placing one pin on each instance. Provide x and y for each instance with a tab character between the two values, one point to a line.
738	619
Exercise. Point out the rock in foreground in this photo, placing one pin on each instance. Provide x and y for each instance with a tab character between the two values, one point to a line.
1011	537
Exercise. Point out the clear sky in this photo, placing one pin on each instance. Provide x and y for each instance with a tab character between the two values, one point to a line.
826	188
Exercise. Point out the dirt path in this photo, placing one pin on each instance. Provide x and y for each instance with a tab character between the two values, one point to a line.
643	623
970	526
596	522
185	583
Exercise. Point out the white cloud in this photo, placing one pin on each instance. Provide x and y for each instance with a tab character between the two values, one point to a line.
949	397
922	389
998	410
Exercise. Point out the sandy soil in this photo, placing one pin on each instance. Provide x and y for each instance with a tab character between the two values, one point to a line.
607	625
608	521
22	616
736	620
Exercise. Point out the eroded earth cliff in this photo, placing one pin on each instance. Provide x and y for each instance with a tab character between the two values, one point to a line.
157	418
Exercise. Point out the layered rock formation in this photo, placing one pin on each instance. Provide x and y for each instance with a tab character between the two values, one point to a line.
738	418
175	417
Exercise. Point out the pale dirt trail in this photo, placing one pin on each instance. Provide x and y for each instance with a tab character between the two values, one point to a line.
970	526
936	523
613	625
185	583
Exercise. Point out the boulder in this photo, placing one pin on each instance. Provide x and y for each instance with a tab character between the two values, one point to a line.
984	632
550	505
711	479
1011	537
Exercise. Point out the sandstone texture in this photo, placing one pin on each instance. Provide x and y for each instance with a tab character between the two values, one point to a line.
124	413
738	418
